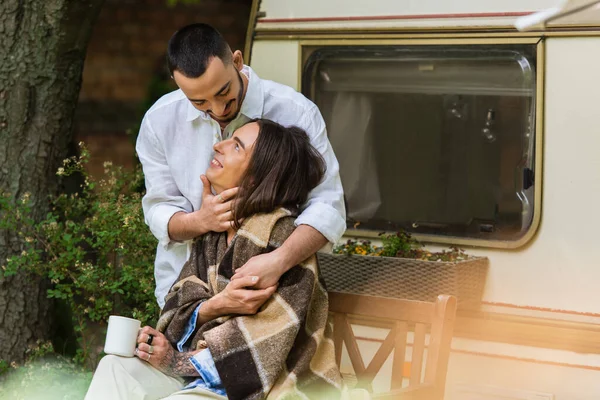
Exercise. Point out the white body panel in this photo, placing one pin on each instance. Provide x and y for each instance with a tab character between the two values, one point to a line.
284	69
333	8
410	13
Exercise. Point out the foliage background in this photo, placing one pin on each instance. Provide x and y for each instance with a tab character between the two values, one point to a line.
93	246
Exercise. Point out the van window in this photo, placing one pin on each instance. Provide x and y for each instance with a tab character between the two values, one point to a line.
434	140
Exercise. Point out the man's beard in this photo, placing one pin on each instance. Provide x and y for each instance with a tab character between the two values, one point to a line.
239	102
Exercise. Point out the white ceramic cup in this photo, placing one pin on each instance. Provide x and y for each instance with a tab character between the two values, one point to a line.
121	336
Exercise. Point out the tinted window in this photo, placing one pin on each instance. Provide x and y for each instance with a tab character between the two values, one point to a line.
431	139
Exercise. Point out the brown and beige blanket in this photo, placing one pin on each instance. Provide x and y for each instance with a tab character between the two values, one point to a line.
283	351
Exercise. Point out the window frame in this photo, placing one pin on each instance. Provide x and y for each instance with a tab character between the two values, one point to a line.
307	47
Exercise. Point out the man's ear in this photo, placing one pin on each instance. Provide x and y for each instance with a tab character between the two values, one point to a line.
238	60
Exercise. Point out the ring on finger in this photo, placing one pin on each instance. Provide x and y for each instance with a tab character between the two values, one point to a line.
149	355
221	198
150	338
151	349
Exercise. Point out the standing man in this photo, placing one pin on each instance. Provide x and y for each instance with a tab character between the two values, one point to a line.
217	94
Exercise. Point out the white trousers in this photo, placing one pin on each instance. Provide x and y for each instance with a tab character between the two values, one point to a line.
122	378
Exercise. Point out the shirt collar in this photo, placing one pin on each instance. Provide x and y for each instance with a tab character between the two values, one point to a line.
252	106
193	112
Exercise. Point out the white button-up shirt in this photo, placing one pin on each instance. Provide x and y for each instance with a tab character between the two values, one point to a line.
175	146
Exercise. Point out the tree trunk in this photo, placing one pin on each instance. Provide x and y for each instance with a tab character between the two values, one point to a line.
42	50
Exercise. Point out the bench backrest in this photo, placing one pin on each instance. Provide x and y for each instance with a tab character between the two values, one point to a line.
401	316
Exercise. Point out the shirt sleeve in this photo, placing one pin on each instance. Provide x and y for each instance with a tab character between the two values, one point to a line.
204	363
163	198
324	210
189	329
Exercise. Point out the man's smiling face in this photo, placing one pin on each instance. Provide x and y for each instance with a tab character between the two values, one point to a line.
219	91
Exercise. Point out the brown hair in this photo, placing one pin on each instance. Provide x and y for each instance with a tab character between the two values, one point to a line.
283	169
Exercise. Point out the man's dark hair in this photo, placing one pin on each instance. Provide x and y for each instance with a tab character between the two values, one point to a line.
283	169
192	47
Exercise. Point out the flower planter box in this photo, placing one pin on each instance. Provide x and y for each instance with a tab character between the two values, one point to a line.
405	278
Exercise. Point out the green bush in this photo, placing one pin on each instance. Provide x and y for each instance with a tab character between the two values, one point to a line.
93	246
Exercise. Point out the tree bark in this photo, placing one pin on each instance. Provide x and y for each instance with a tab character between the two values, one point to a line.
42	50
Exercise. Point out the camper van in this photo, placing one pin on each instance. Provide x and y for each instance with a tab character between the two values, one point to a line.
450	123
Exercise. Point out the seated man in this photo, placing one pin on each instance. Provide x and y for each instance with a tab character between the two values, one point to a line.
215	337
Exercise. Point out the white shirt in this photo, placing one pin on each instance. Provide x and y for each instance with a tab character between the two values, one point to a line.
175	146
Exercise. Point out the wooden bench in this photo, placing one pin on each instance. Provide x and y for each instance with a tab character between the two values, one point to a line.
401	317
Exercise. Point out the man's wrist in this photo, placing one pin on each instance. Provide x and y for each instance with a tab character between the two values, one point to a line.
284	259
196	221
186	226
302	243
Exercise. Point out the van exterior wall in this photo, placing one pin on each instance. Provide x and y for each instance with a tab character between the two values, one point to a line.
472	377
558	269
277	61
340	14
343	8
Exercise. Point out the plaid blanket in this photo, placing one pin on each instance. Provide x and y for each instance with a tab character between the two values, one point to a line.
286	349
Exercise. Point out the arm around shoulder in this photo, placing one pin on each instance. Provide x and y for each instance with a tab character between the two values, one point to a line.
324	209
